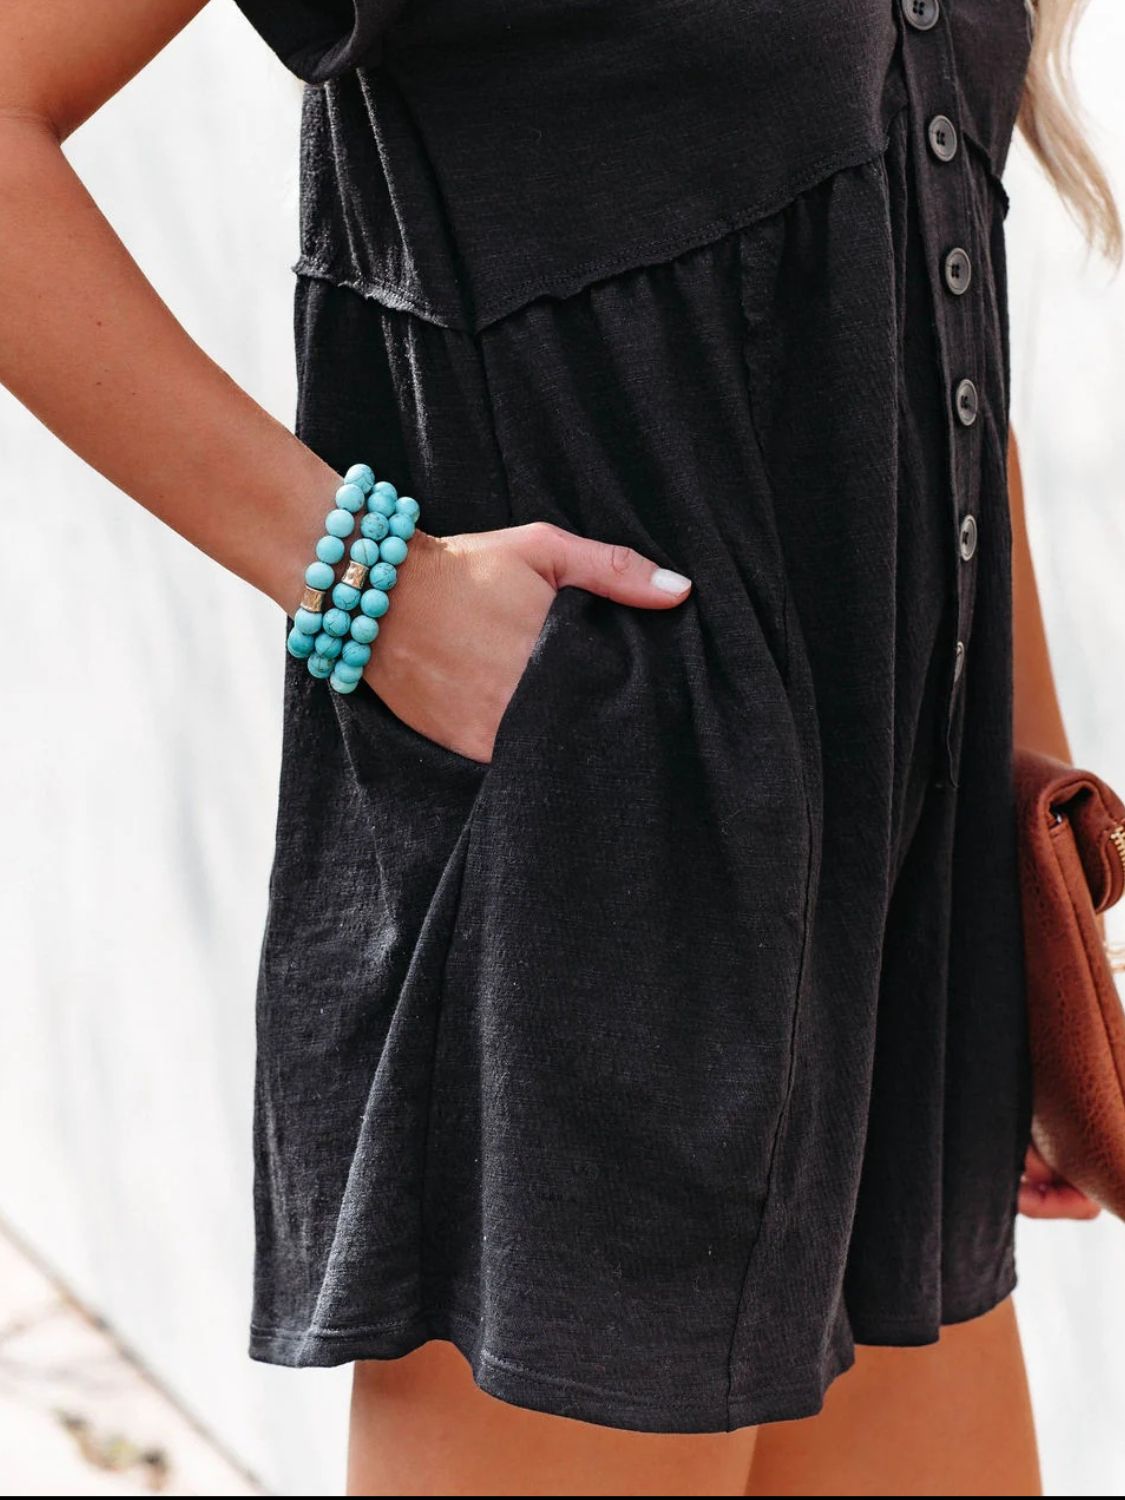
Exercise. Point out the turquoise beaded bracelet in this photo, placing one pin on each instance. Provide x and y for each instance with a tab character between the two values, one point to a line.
336	643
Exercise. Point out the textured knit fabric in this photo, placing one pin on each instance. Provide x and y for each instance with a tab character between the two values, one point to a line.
681	1047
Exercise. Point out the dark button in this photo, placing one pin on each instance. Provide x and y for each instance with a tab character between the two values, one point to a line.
968	537
967	402
958	662
921	14
958	270
942	136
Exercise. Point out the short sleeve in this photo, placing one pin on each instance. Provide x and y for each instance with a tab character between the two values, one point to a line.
320	39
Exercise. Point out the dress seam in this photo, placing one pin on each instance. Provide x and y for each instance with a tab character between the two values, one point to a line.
984	158
499	1362
783	1111
493	430
666	249
439	1006
949	1317
372	288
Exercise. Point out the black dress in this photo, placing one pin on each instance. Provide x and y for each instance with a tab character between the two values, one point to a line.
682	1046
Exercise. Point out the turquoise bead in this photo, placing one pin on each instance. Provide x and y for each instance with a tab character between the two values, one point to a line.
351	498
337	622
401	526
348	674
308	622
408	507
330	550
327	646
375	603
385	487
361	475
365	552
319	575
393	550
339	523
380	503
299	644
343	684
345	596
382	576
321	666
356	654
373	526
364	629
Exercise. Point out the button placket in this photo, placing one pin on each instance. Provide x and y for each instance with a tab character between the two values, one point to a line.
947	229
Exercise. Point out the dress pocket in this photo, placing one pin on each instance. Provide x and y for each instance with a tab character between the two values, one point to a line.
536	674
619	992
366	718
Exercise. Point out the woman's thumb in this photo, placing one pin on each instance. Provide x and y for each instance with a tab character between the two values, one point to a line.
618	573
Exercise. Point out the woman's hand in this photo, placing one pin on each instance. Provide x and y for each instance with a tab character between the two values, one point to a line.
1046	1195
467	611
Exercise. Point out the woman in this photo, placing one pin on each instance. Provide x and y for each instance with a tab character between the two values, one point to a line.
641	1006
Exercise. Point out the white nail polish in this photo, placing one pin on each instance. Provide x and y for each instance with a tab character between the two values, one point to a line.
669	582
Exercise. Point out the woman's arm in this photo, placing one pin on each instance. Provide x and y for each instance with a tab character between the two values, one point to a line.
1038	721
87	344
1038	725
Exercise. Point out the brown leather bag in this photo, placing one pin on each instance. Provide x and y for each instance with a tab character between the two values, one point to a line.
1072	866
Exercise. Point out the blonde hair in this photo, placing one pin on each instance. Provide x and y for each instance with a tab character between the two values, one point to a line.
1049	122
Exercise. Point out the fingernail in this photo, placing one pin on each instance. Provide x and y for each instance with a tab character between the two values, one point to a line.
670	583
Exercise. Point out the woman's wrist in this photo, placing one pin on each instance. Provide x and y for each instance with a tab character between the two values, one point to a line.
280	574
420	584
292	545
368	532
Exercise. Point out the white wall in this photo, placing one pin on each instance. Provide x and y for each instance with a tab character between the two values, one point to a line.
139	770
139	777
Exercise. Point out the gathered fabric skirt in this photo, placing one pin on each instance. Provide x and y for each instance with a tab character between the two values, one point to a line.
681	1047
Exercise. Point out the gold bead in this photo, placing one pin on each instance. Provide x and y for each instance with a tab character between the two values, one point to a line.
313	599
355	574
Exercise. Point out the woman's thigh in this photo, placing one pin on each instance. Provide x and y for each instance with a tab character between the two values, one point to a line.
420	1426
953	1418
